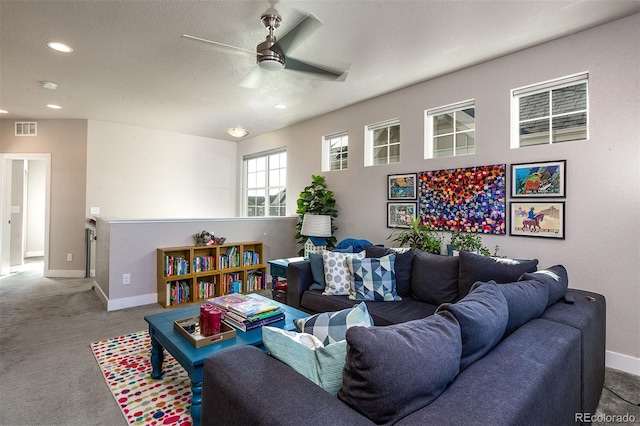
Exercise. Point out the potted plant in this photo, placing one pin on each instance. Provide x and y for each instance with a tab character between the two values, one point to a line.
316	199
469	241
418	236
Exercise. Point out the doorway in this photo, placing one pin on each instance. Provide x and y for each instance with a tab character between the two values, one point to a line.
25	211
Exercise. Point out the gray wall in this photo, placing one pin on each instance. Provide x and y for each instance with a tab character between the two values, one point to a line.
129	247
601	250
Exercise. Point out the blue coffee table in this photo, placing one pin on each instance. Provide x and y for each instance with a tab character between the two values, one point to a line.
164	336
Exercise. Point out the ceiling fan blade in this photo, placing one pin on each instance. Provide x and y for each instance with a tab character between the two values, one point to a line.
254	79
229	48
297	34
296	65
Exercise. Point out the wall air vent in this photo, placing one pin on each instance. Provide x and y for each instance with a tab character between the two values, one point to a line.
26	128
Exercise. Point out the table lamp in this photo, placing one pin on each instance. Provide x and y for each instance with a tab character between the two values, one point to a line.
317	227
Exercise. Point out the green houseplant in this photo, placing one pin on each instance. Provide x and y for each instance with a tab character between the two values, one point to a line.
469	241
417	236
316	199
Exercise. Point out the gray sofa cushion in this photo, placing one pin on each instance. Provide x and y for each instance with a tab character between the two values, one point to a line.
555	278
475	267
526	300
483	316
434	278
317	271
403	264
395	370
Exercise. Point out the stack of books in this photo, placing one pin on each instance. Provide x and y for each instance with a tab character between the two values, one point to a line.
247	313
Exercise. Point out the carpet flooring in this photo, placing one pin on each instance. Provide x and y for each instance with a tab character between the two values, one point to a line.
48	373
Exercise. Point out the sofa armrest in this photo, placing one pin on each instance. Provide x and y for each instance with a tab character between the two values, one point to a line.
245	386
299	279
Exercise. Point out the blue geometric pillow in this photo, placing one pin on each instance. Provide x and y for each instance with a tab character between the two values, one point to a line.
374	278
331	327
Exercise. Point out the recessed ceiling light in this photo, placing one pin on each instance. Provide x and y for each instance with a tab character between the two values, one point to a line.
60	47
53	106
238	132
281	106
4	111
49	85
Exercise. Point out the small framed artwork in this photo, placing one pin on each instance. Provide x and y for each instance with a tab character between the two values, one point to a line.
402	187
533	180
401	215
537	219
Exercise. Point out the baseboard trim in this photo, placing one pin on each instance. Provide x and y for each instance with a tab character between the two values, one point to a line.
130	302
63	273
622	362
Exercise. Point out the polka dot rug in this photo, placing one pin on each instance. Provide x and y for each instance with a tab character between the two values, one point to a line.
125	362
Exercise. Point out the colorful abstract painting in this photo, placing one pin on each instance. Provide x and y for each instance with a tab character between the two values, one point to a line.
466	199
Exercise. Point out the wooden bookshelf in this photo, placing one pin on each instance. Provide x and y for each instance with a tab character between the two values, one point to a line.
192	274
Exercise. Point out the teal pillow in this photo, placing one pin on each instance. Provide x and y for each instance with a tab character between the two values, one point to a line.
307	355
374	278
331	327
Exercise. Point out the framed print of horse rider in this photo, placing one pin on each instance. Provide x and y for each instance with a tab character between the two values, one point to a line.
537	180
537	219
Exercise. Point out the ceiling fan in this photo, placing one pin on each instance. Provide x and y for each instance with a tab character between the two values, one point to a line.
272	54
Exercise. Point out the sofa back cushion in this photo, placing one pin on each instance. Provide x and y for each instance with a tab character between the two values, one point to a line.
476	267
555	278
483	316
394	370
526	300
404	262
434	278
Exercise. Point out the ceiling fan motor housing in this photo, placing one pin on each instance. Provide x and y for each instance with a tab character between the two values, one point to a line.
268	57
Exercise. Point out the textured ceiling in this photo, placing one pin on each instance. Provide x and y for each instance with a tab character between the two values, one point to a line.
130	64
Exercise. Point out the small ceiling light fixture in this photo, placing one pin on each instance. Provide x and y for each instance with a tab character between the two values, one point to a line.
281	106
4	111
49	85
238	132
54	106
60	47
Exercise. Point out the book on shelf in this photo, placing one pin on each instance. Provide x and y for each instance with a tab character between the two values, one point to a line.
252	325
175	266
252	307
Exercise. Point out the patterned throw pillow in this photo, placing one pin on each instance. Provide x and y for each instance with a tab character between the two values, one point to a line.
337	276
331	327
374	278
322	364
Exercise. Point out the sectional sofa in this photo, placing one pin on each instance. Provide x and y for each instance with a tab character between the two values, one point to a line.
474	340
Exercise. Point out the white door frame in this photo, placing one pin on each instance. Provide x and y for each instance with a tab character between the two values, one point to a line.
5	206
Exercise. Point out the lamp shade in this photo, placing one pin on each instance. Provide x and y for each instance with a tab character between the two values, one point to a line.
316	225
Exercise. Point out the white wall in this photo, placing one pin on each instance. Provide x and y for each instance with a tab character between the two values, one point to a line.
602	246
135	173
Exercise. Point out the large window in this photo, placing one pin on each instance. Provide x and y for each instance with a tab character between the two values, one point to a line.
335	152
382	143
265	184
550	112
450	130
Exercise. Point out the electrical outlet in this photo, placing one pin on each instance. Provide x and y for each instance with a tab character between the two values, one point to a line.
69	257
126	279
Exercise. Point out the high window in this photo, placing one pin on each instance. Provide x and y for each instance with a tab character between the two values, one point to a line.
450	130
265	184
550	112
335	152
382	143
